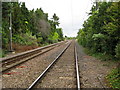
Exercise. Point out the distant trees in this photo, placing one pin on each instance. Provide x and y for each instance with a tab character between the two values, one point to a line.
56	34
100	32
31	23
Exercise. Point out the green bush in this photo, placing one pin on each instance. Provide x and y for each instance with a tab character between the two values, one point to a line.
5	35
53	38
114	78
2	53
100	33
101	56
40	40
117	50
25	39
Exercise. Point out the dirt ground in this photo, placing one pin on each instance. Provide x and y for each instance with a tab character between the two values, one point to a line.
20	48
93	71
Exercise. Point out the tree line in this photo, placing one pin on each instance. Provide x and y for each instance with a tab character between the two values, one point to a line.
29	27
101	31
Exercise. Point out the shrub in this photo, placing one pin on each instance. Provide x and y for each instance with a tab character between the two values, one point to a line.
25	39
117	50
114	78
2	53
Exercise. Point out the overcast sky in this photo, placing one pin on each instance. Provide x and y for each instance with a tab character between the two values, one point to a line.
72	13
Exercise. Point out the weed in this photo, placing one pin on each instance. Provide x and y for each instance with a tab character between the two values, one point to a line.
114	78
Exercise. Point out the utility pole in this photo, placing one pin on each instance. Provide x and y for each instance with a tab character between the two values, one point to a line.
0	33
10	31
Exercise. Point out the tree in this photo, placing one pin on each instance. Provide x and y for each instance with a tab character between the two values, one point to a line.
100	32
29	26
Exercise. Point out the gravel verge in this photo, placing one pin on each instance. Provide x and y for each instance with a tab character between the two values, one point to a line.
92	70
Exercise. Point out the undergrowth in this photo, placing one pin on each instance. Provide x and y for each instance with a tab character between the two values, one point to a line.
114	78
2	53
101	56
25	39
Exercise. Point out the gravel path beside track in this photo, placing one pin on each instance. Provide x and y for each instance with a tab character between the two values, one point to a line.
93	71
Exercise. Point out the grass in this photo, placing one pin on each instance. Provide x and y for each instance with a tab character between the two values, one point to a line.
114	78
2	53
100	56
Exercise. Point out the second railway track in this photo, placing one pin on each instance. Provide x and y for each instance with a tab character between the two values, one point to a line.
11	62
62	72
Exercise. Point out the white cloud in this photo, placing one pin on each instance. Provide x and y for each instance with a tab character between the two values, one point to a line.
72	13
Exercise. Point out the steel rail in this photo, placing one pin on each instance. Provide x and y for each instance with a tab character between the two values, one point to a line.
27	52
77	69
24	60
11	59
10	62
46	70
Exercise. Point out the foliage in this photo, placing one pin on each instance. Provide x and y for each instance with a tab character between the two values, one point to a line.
70	38
117	50
60	33
100	32
25	39
53	38
114	78
29	27
100	56
1	54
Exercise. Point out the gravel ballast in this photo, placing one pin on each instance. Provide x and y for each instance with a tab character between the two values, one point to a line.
23	75
62	74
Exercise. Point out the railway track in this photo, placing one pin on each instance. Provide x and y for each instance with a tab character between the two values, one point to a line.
12	61
62	72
